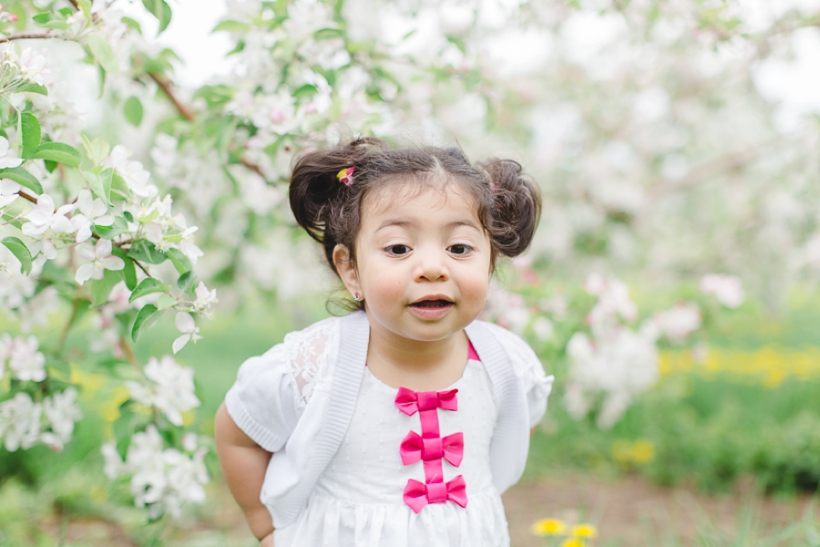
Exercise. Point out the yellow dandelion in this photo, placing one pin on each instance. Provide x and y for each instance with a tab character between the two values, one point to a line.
584	531
643	451
548	527
573	542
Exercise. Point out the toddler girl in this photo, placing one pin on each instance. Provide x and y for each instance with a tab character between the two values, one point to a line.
403	422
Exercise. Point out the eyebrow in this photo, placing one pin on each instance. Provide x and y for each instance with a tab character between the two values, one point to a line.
411	224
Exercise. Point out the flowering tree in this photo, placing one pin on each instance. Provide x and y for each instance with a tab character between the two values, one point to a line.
637	141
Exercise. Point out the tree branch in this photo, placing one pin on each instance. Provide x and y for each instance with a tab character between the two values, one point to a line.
30	36
186	112
26	196
167	88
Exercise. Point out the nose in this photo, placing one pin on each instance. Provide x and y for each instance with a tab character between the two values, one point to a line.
431	265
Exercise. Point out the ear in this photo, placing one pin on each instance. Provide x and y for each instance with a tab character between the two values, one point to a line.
346	269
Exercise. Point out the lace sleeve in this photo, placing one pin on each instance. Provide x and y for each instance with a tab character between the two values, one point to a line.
309	353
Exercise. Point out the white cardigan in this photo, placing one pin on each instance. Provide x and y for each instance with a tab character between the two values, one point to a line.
296	400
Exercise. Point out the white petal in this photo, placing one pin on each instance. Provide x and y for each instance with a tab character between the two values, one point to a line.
185	323
104	220
85	251
84	273
180	342
113	263
102	249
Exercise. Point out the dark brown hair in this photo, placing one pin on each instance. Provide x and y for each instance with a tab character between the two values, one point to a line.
509	203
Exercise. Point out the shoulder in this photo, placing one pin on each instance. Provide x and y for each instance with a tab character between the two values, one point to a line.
519	350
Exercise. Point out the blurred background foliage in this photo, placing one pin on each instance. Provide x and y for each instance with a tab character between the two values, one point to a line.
662	156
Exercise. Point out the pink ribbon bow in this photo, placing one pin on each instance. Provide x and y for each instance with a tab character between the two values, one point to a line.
414	447
417	494
410	401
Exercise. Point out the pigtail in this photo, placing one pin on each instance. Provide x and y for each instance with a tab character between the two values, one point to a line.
517	206
317	195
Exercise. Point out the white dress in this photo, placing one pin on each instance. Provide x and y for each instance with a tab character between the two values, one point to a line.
359	499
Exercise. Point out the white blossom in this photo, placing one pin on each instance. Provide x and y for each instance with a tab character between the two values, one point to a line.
6	159
204	299
45	224
170	388
187	326
135	176
162	479
20	422
33	67
8	191
100	259
727	289
26	361
678	322
62	412
94	212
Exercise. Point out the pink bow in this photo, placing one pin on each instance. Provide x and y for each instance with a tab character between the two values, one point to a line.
411	402
414	447
417	494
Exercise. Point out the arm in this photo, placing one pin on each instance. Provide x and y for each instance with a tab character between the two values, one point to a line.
244	464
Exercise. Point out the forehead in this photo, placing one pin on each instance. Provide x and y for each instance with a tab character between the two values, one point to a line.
413	197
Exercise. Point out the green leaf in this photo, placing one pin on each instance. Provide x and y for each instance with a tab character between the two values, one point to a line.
134	24
41	18
146	251
129	272
23	178
161	10
85	5
148	285
165	301
231	26
133	111
123	429
180	261
31	87
101	184
305	92
186	281
327	33
101	288
97	149
103	54
19	250
146	317
31	133
119	227
59	152
119	188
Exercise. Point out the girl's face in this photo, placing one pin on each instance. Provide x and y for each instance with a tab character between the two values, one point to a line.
422	261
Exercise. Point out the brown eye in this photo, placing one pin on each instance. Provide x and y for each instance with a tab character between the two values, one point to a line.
460	249
398	250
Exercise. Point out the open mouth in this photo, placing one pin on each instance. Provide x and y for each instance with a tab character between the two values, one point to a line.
433	303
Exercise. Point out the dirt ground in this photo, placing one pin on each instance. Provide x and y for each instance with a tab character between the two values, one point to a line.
630	511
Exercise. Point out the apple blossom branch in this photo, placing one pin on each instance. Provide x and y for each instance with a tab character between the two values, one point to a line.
167	88
31	36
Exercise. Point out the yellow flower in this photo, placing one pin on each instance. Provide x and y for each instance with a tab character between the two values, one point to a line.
584	531
573	542
548	527
643	451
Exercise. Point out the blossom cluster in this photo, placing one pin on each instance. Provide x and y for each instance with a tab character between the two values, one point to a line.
161	479
25	422
169	388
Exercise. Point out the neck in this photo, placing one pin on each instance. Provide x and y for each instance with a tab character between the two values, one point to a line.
417	364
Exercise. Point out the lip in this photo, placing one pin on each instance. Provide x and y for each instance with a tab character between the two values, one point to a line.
430	314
